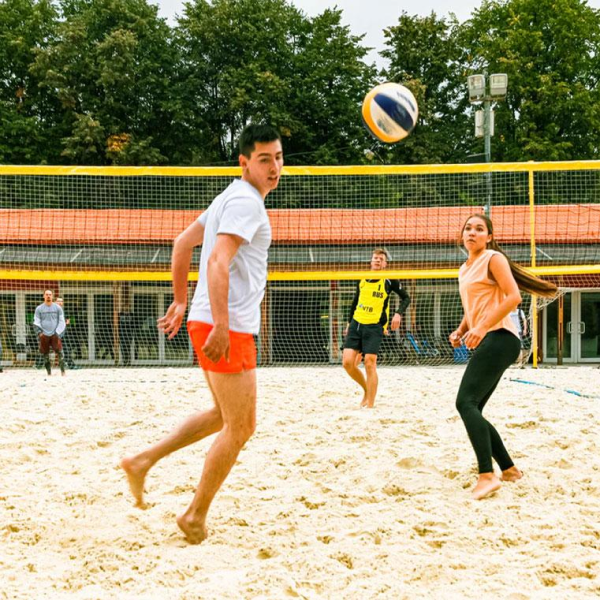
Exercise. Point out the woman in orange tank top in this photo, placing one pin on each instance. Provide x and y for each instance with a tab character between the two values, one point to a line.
489	284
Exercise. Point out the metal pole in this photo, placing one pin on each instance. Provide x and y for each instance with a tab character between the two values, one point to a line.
487	129
534	310
487	136
560	330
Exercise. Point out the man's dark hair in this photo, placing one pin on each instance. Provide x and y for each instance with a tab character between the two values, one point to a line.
256	133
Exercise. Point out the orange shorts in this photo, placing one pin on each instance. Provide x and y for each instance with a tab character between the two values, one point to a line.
242	349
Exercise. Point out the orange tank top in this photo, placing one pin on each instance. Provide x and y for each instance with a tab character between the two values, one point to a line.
481	295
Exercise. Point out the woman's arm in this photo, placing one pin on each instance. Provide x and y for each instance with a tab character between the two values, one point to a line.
456	336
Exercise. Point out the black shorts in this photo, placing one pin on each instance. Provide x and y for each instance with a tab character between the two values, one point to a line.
364	338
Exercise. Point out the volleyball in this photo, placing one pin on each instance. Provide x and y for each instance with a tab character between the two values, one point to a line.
390	112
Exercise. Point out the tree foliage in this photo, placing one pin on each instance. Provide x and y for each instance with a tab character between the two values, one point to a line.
550	50
424	55
264	60
109	70
235	67
25	27
329	84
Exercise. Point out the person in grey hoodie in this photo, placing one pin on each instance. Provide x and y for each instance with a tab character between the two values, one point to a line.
49	324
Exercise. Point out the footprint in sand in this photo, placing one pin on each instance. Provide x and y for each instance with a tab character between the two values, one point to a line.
409	463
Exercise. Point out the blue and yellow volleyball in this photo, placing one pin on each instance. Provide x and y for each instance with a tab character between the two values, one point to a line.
390	112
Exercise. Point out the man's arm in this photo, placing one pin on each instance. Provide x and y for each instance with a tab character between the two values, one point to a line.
60	329
183	248
404	297
37	322
404	302
217	342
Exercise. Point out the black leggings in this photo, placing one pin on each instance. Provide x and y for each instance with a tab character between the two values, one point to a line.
497	351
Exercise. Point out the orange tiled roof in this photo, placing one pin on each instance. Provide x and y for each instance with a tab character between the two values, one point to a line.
568	223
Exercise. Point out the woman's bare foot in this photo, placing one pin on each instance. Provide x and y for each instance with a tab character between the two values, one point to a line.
487	484
512	474
195	532
136	470
363	402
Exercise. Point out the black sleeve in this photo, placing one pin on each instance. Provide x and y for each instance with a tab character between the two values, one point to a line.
403	294
354	302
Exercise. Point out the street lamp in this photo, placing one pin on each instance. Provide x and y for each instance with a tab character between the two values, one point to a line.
480	92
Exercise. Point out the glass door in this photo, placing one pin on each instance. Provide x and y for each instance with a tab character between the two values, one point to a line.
587	327
76	338
179	349
300	324
146	336
31	302
102	328
8	329
551	328
144	344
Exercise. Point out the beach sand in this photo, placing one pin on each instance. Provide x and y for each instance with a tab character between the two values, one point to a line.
326	501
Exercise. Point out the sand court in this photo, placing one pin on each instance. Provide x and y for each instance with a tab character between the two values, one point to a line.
326	501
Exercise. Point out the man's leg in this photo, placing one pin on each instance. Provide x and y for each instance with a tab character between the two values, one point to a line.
47	363
56	344
372	379
235	394
349	360
61	362
193	429
67	354
45	352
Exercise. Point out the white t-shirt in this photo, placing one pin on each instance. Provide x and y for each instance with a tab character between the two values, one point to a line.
518	316
239	210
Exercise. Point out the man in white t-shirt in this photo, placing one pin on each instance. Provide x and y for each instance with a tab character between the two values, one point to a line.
235	234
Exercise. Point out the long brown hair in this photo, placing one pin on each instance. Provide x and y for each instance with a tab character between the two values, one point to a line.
525	281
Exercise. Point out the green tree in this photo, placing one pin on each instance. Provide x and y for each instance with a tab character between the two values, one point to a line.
85	146
110	70
235	63
424	55
550	50
26	26
265	60
330	80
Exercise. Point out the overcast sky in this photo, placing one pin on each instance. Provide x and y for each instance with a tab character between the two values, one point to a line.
367	17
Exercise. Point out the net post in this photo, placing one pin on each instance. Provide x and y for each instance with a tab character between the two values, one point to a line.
534	315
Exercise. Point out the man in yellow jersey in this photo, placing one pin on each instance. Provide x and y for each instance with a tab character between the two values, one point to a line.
367	323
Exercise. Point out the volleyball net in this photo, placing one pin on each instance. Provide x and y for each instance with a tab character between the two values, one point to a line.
101	239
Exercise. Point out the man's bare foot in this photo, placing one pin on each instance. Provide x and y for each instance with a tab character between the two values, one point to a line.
136	470
487	484
195	533
363	402
512	474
